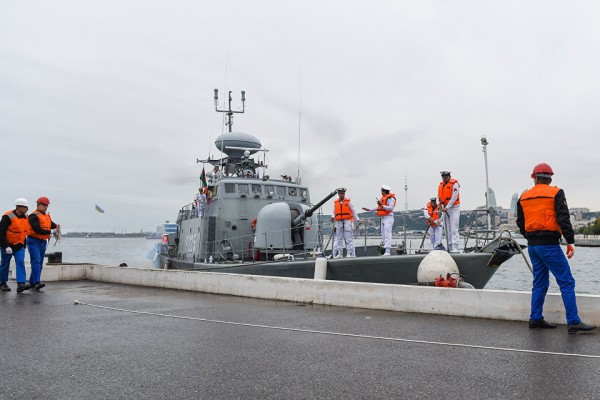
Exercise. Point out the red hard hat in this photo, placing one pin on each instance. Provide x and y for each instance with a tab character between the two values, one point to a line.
542	168
43	200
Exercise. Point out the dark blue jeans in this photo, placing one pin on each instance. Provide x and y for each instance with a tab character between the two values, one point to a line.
37	251
545	259
19	261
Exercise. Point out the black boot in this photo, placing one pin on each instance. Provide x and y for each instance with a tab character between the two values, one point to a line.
540	324
580	327
4	287
23	286
39	285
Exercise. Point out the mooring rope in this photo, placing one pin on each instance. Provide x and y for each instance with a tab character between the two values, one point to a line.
281	328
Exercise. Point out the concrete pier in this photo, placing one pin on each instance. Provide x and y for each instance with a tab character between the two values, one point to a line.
494	304
161	343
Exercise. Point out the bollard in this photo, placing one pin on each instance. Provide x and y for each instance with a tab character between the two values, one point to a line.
321	268
54	258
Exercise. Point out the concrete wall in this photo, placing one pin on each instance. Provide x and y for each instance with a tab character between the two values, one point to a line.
495	304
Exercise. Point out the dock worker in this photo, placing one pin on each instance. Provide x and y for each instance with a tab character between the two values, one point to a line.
200	201
14	228
385	210
542	218
449	201
41	228
434	228
344	216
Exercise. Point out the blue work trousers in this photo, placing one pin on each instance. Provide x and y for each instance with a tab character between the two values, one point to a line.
19	260
37	251
545	259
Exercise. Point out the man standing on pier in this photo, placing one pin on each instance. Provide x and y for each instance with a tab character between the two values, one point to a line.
543	217
37	241
344	216
449	195
14	228
385	210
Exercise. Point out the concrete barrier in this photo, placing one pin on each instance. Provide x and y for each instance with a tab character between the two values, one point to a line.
494	304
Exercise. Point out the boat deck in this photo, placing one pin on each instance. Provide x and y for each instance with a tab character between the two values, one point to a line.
229	347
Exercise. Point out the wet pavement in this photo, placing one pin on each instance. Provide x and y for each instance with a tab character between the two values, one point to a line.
54	349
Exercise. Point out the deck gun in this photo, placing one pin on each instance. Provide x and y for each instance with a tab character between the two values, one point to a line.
311	210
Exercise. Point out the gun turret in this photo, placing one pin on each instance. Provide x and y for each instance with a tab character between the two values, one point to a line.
311	210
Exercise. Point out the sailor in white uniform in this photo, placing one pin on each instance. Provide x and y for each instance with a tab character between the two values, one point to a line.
433	215
344	216
200	201
385	210
449	201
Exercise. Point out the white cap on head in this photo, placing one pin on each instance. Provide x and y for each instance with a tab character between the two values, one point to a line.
386	187
21	202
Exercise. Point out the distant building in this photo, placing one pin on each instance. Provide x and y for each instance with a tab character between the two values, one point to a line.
513	203
582	210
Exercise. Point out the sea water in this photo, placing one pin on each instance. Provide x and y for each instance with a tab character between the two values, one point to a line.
138	252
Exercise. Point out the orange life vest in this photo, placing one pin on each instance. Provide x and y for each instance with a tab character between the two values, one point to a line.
342	209
445	192
538	208
380	210
433	213
45	224
18	229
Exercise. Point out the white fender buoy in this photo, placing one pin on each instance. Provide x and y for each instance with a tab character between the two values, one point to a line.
436	263
321	268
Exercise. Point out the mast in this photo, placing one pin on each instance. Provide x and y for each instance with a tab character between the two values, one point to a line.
405	210
229	111
484	142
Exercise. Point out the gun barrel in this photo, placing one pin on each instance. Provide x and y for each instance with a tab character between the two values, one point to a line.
314	208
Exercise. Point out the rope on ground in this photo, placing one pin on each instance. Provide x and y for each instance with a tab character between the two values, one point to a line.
280	328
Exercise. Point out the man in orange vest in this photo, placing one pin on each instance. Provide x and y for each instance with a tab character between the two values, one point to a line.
543	217
37	241
449	195
433	220
385	210
14	228
344	216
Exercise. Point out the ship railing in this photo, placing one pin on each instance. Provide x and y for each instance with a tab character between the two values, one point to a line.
368	241
187	212
242	248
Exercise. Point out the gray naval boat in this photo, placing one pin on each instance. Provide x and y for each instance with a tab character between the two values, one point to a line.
254	224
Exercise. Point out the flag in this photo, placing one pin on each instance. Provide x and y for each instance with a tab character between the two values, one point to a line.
99	209
203	178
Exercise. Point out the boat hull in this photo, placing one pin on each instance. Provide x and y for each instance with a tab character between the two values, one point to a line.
399	269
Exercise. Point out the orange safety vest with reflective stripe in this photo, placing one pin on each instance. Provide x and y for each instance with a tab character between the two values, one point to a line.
433	213
381	212
18	229
45	224
342	210
538	208
445	192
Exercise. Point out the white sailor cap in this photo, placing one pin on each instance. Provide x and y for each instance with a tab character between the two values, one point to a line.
386	187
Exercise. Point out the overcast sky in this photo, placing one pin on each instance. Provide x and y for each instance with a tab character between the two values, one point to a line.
111	102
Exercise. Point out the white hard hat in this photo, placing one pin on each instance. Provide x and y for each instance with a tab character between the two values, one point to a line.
21	202
386	187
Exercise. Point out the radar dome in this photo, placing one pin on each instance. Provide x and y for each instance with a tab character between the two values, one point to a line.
234	144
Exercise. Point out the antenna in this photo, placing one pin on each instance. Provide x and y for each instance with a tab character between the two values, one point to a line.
229	112
484	143
405	192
